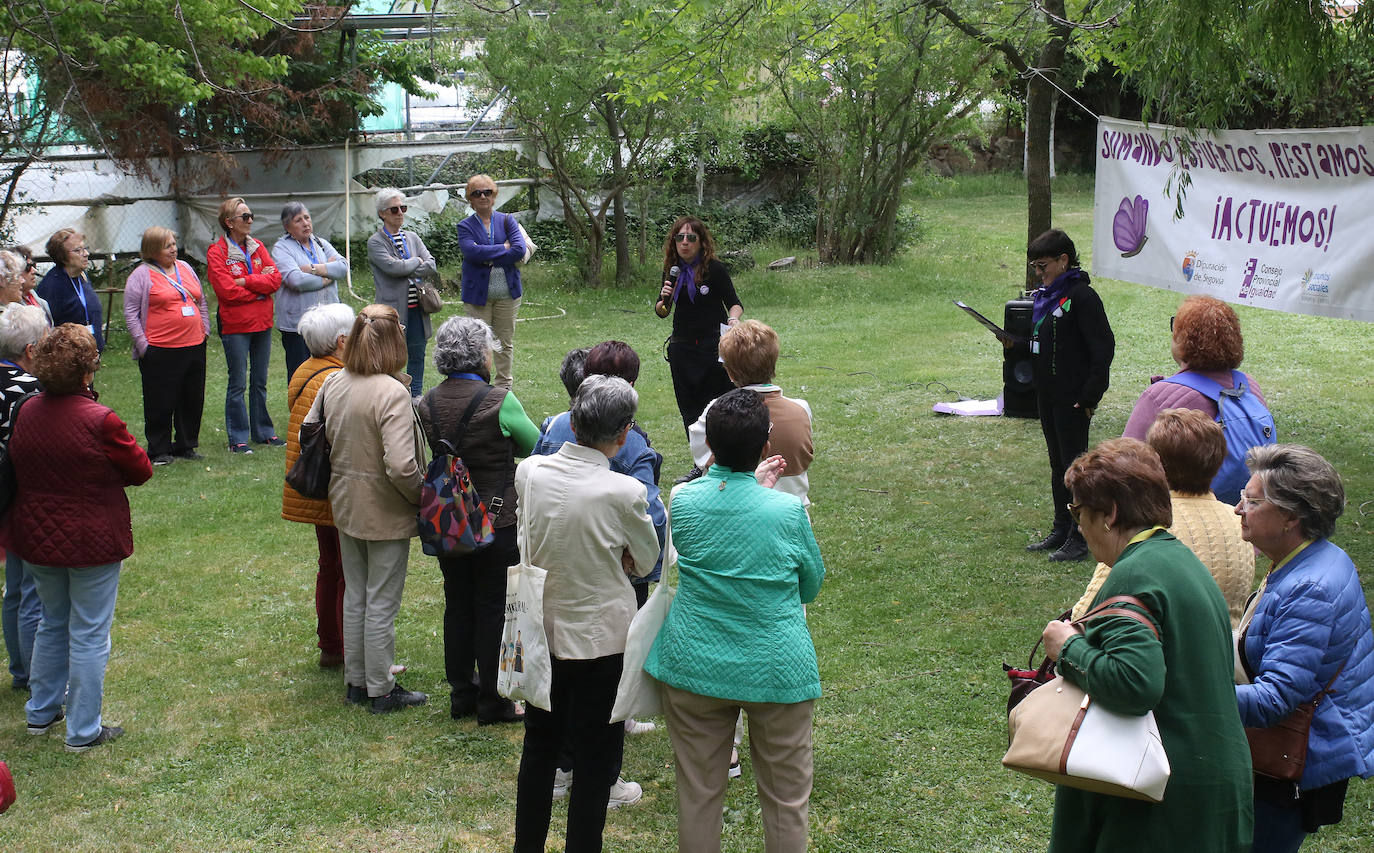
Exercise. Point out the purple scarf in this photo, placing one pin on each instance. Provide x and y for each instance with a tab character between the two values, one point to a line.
1048	297
686	279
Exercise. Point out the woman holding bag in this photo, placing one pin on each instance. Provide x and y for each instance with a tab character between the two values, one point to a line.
1306	632
1121	504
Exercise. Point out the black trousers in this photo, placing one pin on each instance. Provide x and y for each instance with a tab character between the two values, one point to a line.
1066	436
173	396
581	698
474	614
698	376
295	350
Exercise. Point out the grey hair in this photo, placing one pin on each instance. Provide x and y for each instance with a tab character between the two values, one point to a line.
291	210
385	196
462	344
20	326
321	325
14	265
604	406
1297	480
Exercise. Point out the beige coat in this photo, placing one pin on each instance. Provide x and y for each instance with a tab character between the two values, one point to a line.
376	454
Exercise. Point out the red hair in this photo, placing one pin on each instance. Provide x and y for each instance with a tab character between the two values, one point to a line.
1207	334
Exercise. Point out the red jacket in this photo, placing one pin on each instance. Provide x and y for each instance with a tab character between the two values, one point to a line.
247	308
72	459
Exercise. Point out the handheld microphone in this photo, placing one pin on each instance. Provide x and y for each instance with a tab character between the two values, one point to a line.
672	276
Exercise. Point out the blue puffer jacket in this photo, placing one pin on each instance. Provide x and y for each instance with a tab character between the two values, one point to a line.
1311	619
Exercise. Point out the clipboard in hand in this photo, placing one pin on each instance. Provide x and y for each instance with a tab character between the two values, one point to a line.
998	331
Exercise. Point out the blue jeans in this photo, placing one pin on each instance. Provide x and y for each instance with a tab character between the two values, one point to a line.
415	350
239	351
72	646
22	612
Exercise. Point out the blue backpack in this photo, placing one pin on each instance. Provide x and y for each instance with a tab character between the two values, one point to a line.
1244	419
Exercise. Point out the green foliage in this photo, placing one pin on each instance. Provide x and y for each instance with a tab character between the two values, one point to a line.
872	85
140	80
1211	63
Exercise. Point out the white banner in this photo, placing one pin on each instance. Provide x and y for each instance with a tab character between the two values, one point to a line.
1280	219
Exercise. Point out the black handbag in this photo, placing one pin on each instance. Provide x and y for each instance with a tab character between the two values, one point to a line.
309	474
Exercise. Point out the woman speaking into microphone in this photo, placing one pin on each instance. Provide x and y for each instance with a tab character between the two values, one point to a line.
699	287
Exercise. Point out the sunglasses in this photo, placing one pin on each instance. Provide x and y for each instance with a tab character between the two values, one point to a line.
398	208
246	217
31	266
481	193
685	238
1040	266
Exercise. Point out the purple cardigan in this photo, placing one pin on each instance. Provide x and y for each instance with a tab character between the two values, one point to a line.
136	304
481	253
1168	395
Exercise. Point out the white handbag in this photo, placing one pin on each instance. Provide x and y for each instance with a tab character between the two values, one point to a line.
638	694
1086	746
1059	734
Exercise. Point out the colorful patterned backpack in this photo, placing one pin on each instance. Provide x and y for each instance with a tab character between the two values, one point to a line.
452	519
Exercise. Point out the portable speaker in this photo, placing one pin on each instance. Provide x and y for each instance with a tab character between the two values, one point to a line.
1018	396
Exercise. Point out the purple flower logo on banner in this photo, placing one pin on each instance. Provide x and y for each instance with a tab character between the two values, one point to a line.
1128	226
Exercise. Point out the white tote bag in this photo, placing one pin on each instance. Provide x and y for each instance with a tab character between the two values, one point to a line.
638	694
1060	735
523	670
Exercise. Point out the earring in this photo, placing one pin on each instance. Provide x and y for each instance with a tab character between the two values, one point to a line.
1106	528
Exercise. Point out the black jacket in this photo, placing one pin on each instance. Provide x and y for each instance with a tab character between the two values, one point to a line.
1076	346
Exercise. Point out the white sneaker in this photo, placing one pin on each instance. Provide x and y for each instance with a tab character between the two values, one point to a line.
635	727
562	781
624	794
734	764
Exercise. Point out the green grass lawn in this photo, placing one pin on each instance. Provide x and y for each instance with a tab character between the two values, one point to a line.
237	741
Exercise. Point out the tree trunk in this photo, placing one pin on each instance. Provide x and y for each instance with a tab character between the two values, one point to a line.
1039	121
622	231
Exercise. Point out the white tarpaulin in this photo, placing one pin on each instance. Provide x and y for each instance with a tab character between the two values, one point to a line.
1274	218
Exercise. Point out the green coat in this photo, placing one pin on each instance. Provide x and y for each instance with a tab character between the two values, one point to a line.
1187	680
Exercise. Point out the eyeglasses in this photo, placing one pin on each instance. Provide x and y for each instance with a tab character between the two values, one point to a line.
82	250
1171	323
398	208
1074	510
481	193
246	217
685	238
1247	503
1040	266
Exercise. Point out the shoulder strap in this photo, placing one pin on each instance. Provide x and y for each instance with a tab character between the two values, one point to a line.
1209	388
462	426
1111	607
306	384
1327	689
14	411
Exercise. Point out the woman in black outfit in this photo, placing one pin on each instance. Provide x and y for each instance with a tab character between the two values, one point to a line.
1071	347
705	298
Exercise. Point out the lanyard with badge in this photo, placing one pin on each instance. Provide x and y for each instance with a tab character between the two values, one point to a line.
187	308
77	285
1059	311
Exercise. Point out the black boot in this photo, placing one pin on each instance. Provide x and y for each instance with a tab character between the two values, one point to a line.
1052	542
1075	548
